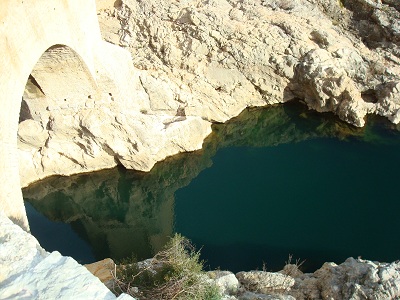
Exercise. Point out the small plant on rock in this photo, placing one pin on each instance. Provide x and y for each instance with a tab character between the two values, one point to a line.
174	273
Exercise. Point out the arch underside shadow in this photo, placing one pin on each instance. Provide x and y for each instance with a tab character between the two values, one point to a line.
59	78
60	73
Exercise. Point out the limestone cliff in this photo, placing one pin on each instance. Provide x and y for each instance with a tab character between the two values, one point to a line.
216	57
197	62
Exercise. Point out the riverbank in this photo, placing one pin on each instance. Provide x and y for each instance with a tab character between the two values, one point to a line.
352	279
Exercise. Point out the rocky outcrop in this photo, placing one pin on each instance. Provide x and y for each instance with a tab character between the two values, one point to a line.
265	282
353	279
75	140
98	131
195	63
201	62
219	57
29	272
102	270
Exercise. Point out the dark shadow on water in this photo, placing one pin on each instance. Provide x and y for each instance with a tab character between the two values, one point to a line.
61	235
112	213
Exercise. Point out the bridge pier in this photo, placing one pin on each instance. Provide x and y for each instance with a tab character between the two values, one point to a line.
34	32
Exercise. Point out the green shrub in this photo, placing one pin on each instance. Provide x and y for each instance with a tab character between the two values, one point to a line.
174	273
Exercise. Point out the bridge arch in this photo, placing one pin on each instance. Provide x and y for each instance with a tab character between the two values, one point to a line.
35	34
61	73
58	75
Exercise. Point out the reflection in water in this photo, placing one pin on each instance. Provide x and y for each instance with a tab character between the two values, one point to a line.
119	211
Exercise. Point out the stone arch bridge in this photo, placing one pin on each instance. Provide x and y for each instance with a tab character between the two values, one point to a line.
57	46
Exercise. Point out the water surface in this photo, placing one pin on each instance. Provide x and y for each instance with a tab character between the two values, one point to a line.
272	182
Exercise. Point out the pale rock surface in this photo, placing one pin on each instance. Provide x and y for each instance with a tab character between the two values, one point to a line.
29	272
228	297
219	57
389	102
102	269
197	62
101	137
226	281
256	296
265	282
353	279
87	133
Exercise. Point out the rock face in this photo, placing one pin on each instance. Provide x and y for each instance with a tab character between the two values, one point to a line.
32	273
200	62
218	57
75	140
353	279
97	132
226	281
102	270
265	282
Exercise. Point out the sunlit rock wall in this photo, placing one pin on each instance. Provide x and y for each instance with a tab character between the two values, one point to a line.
201	62
217	57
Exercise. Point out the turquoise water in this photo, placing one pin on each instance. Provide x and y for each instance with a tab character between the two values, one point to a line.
303	199
270	183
